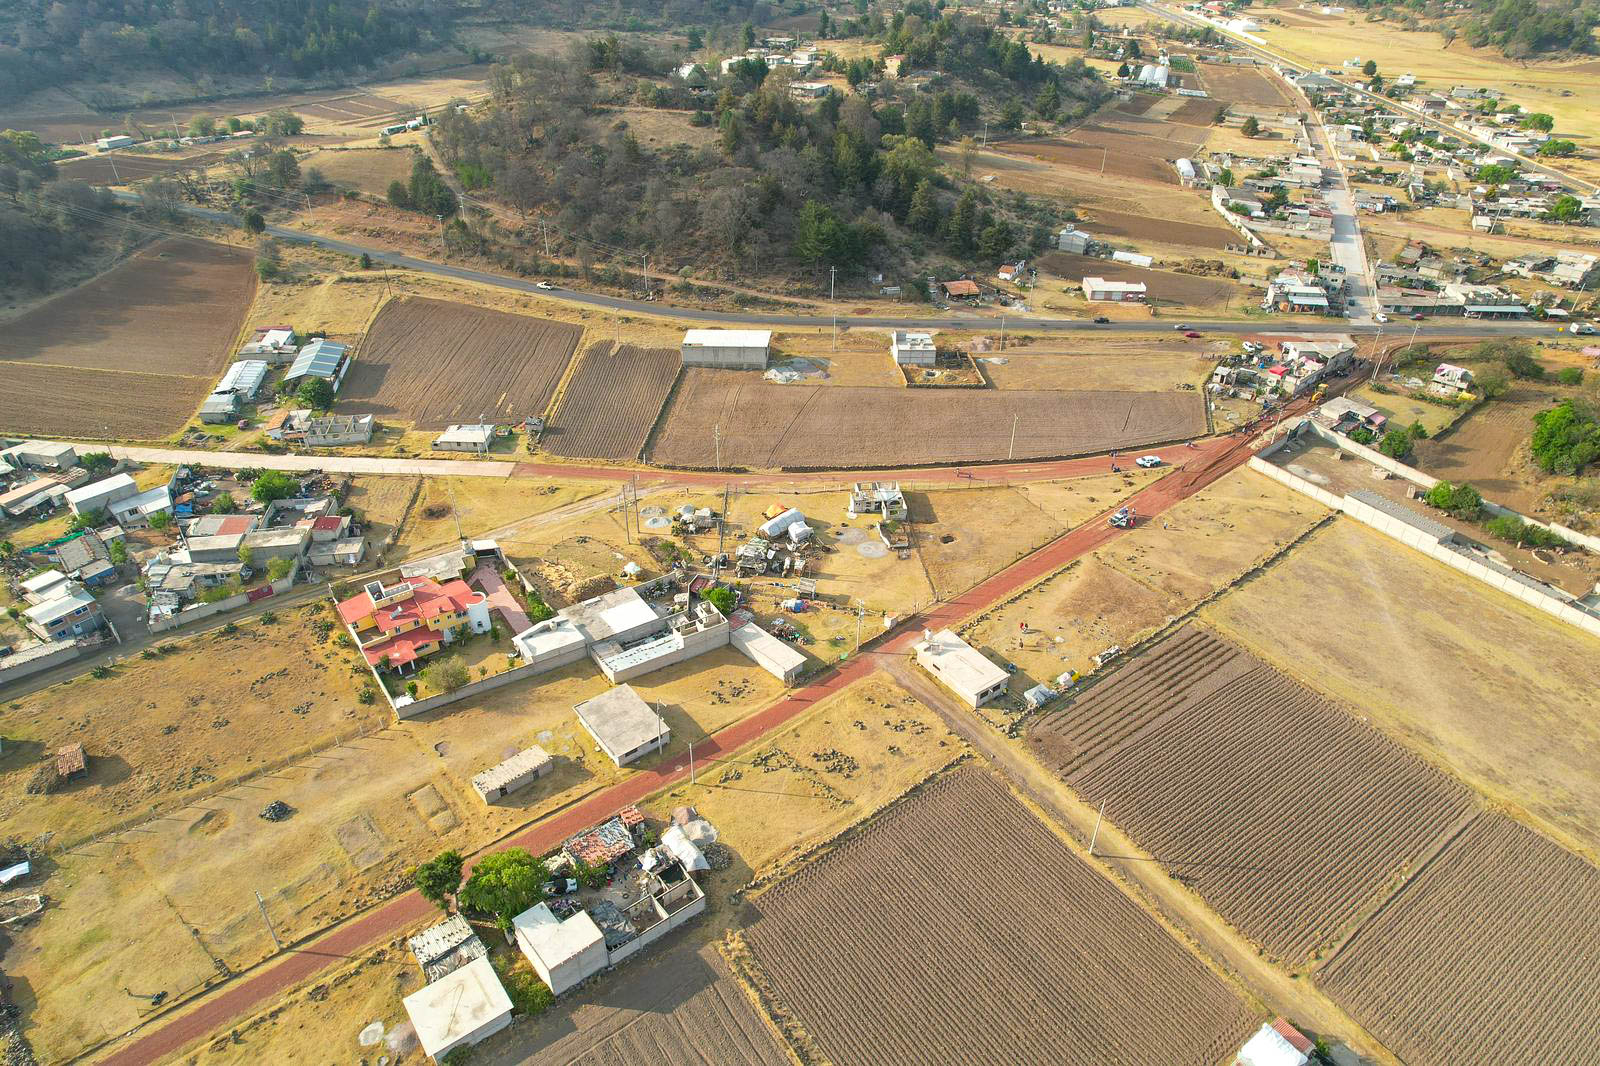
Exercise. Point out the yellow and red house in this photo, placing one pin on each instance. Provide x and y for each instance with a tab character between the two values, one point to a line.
398	624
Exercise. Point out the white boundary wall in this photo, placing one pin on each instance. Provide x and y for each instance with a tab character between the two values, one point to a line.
1412	537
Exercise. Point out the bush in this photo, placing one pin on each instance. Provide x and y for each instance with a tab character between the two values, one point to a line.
1566	438
1570	375
1363	435
411	689
1461	501
273	485
446	675
1396	443
529	995
367	696
278	569
722	598
1522	364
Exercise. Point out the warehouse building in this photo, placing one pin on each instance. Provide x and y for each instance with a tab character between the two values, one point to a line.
960	667
1099	290
99	495
321	358
780	660
243	379
40	455
464	1007
624	726
731	349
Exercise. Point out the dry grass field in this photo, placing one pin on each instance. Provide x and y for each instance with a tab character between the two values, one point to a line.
764	425
1476	681
1485	956
1183	747
611	402
132	352
856	947
368	170
1117	363
1487	448
431	362
125	168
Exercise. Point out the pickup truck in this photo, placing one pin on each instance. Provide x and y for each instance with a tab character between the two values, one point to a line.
1582	329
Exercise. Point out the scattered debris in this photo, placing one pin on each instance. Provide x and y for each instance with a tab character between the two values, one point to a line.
276	811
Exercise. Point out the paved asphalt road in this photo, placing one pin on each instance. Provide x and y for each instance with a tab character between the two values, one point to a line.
953	320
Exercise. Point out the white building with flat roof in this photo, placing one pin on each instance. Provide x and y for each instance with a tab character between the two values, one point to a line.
960	667
625	727
99	495
474	437
563	953
782	661
734	349
463	1007
912	349
1074	241
1099	290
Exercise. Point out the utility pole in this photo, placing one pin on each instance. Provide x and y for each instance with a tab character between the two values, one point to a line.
722	528
716	435
270	931
1002	333
1012	454
546	235
831	272
691	762
635	490
985	142
1096	835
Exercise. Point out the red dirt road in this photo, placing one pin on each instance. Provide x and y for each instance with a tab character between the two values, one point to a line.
271	979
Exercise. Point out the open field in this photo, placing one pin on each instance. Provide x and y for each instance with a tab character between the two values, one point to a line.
1095	158
612	401
855	945
449	508
764	425
125	168
432	362
1165	286
1486	448
132	352
1114	363
1485	956
1184	745
1513	718
368	170
1144	227
1250	86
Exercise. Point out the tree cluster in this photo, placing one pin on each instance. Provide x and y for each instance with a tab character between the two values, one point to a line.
44	223
1566	438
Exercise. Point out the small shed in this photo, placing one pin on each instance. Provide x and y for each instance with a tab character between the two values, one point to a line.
517	772
71	761
464	1007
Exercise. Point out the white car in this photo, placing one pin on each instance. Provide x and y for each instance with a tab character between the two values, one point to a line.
1147	461
1581	328
543	285
1381	317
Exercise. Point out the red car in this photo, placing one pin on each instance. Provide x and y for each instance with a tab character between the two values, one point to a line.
1191	334
1418	317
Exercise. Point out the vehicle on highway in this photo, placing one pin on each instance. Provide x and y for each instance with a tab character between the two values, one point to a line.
1192	334
543	285
1418	317
1101	320
1582	328
1148	461
1124	518
1380	317
1181	326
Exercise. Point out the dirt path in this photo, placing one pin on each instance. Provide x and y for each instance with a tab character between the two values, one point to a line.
270	979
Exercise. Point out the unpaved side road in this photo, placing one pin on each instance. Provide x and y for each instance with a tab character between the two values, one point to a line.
1141	875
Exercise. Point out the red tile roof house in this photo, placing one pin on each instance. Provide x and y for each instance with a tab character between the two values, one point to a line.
398	624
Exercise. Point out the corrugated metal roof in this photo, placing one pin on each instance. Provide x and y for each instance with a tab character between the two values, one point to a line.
1415	519
319	359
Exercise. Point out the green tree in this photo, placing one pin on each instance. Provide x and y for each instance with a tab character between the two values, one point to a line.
1370	67
1496	173
118	552
281	123
223	503
1565	209
1396	444
1558	147
1538	120
279	569
503	885
246	555
1225	177
995	240
1521	363
1250	127
1492	383
283	169
446	675
1011	114
273	485
924	214
1565	439
316	393
366	261
161	521
97	462
1123	72
722	598
438	878
1461	501
254	223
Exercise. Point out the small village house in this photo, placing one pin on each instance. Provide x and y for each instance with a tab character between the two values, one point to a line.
623	725
960	667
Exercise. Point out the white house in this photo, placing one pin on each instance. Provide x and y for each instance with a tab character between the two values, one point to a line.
463	1007
1073	240
563	953
465	438
737	349
1099	290
1276	1043
960	667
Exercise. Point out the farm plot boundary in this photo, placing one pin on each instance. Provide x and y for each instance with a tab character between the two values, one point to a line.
735	419
1188	747
855	967
1487	955
434	362
612	401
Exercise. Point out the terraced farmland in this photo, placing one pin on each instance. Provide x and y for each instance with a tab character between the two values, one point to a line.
1285	813
956	928
1488	955
612	401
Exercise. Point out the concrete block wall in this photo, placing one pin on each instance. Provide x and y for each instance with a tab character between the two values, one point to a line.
659	930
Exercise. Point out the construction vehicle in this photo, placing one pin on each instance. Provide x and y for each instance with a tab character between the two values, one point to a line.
1124	518
1322	390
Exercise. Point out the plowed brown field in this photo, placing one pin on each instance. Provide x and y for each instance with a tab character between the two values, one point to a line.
612	401
1093	157
799	427
131	353
432	362
1285	813
956	928
120	168
1144	227
1230	84
1486	956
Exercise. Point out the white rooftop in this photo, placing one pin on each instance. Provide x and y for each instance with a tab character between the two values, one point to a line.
72	597
457	1006
98	489
961	663
474	433
147	502
621	719
555	941
39	584
728	338
1269	1048
1113	286
604	616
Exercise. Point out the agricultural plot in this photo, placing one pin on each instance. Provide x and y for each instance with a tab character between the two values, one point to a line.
1194	112
368	170
1165	286
130	354
882	956
1187	747
612	401
1230	84
122	168
758	424
1147	228
1487	955
1483	449
1095	158
433	362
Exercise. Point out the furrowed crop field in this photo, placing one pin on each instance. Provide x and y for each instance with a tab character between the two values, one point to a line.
130	354
956	928
766	425
1231	84
432	363
1094	157
1285	813
1487	955
1144	227
612	401
122	168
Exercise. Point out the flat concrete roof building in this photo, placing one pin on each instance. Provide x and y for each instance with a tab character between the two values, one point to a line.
624	726
563	953
475	437
463	1007
768	652
912	349
1099	290
961	668
516	772
735	349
